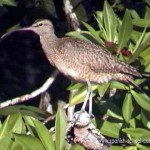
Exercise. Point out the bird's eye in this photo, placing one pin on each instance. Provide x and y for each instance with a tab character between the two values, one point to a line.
40	24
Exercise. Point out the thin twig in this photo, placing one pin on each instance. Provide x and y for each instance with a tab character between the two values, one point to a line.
33	94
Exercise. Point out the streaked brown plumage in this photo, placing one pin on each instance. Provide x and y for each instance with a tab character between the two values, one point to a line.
81	60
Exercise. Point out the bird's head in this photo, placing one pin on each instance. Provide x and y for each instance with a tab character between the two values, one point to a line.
41	27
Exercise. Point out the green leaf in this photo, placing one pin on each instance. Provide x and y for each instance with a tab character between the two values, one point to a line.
145	116
99	19
76	147
6	143
110	22
60	129
118	85
127	107
80	95
130	148
13	123
25	110
114	115
147	13
30	125
147	67
77	35
142	99
125	31
123	148
141	22
111	129
44	135
93	33
148	2
138	51
138	134
145	53
28	142
75	86
102	88
8	2
17	147
142	147
116	148
111	109
137	48
134	14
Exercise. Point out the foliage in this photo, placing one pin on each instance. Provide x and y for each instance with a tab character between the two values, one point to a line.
7	2
128	39
25	132
126	113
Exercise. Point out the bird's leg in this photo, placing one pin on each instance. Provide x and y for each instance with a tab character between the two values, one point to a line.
88	97
90	102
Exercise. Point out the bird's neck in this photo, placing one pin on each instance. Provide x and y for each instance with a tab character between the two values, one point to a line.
48	41
49	44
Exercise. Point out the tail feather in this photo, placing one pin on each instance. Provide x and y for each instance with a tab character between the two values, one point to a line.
127	79
128	69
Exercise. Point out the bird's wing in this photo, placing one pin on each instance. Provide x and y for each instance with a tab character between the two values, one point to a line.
98	58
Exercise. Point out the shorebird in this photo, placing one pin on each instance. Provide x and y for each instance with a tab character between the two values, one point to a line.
79	60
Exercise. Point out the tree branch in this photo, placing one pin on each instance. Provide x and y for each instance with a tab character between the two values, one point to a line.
70	15
33	94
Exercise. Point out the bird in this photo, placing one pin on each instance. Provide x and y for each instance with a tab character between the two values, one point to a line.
79	60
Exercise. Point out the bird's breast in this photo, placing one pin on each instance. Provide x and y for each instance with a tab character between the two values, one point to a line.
69	72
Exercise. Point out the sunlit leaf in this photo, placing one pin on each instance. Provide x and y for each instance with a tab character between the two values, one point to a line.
30	125
80	95
60	127
142	147
13	123
141	22
134	14
110	22
147	13
44	135
138	133
75	86
145	53
130	148
28	142
114	115
125	31
127	107
145	116
76	147
116	148
93	33
6	143
25	110
142	99
102	88
118	85
138	51
110	129
77	35
99	19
